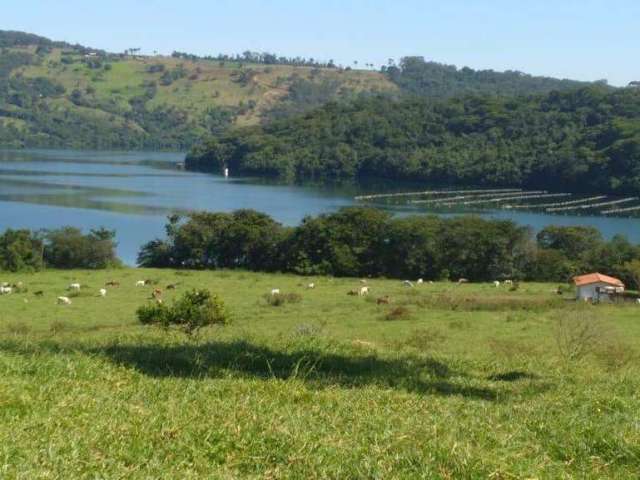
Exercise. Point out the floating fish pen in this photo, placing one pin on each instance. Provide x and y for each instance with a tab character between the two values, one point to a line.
592	205
435	201
511	198
559	204
621	210
377	196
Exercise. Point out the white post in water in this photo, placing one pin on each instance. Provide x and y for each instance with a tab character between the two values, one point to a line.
226	172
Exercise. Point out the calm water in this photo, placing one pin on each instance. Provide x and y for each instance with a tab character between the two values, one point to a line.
134	192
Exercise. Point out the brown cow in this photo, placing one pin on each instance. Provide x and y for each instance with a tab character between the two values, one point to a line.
383	300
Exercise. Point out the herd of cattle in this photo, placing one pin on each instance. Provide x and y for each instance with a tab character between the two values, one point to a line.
7	289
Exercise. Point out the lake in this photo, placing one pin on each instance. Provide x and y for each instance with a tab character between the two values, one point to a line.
133	192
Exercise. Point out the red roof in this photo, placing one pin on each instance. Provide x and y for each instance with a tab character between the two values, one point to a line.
596	278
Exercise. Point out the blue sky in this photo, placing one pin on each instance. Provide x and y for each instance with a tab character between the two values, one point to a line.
586	39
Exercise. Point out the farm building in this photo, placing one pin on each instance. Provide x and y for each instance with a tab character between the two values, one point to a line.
597	287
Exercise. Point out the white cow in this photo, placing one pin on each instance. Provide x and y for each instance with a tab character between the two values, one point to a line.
496	283
311	285
638	301
363	291
140	283
420	281
64	301
407	283
5	290
275	291
74	286
103	292
508	282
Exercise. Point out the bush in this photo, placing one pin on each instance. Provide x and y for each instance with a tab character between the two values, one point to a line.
194	310
578	333
280	299
398	313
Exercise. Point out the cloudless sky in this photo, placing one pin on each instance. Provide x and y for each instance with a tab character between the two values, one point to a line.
580	39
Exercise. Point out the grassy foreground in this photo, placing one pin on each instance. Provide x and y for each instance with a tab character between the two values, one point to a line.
447	381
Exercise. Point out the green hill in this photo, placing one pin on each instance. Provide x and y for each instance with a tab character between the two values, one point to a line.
55	94
582	140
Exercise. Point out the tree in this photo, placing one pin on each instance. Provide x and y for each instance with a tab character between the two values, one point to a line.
191	312
20	250
68	247
633	269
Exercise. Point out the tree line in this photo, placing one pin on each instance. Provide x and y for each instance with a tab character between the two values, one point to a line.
363	242
354	242
585	140
25	250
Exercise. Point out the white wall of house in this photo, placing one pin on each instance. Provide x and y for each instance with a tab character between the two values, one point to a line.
588	292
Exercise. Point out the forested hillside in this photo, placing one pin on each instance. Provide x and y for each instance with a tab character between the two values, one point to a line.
62	95
416	76
581	140
54	94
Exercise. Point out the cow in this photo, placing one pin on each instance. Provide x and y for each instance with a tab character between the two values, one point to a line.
508	282
103	292
407	283
463	280
5	290
74	286
275	291
39	293
353	292
383	300
140	283
420	281
496	283
111	283
363	291
157	293
171	286
64	301
311	286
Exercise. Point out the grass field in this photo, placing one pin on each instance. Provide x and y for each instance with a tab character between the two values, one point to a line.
446	381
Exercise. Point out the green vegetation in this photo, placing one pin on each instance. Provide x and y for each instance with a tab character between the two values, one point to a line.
59	95
371	243
586	140
66	247
53	94
473	382
430	79
196	309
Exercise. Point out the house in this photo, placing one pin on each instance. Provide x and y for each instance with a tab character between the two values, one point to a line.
597	287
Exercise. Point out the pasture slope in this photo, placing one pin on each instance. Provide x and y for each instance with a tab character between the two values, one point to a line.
447	381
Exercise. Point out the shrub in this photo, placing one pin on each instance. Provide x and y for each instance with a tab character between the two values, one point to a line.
578	333
194	310
280	299
18	328
398	313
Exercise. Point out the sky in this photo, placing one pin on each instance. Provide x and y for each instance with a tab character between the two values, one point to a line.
578	39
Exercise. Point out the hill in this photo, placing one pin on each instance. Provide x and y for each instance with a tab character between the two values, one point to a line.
54	94
581	140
